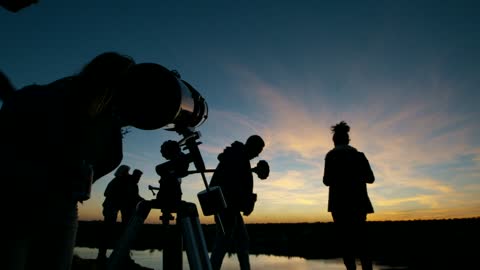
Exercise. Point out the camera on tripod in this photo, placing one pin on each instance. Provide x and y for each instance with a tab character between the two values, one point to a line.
171	172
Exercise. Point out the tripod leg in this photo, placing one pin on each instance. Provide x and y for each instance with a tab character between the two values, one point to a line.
195	242
201	244
191	244
121	252
173	248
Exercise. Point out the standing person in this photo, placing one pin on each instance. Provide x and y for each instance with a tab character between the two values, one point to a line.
234	175
121	195
111	207
347	172
57	139
132	196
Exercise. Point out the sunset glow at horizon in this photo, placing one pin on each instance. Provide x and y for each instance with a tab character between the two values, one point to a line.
404	76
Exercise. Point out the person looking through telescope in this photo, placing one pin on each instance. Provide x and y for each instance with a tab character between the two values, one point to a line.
54	137
59	138
234	175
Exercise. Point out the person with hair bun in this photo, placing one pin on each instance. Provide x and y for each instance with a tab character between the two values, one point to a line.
347	173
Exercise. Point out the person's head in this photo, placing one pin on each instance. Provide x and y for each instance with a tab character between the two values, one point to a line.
136	175
122	170
170	149
254	146
98	80
340	133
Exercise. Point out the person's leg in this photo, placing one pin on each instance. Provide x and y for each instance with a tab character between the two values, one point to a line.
363	243
106	232
222	240
243	243
127	214
344	233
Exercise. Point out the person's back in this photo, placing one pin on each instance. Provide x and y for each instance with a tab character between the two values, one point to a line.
233	175
131	194
116	190
347	172
41	141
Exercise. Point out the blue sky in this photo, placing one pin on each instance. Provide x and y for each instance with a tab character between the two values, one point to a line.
403	74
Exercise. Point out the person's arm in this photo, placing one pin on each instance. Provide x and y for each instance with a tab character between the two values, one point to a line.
104	146
108	189
367	172
326	172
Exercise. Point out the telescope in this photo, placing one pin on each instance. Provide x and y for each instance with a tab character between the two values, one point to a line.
151	96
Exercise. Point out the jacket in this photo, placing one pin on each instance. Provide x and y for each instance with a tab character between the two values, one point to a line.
347	172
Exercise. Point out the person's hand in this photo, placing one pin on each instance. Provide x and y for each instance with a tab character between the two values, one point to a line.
262	170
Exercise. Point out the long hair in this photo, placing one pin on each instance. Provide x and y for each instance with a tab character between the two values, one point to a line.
102	74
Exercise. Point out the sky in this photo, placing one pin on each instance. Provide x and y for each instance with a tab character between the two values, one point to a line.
403	74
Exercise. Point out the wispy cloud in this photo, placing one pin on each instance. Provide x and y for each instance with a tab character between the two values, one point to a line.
405	140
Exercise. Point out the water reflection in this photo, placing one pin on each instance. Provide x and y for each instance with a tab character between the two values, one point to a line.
153	259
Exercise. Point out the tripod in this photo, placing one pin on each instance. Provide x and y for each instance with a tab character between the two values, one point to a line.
188	226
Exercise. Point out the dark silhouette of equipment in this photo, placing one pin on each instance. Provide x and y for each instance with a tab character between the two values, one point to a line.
16	5
187	228
163	100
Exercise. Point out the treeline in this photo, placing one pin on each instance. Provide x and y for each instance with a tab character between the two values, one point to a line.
416	244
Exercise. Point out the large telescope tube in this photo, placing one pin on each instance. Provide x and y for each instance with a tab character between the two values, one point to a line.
152	97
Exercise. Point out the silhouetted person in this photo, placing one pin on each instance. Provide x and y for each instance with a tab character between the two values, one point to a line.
132	195
57	139
234	175
347	172
171	173
121	195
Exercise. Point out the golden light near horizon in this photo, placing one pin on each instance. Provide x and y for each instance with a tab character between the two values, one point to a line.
407	85
414	177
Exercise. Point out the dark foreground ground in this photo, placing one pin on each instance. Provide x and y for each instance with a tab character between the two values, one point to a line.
427	244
